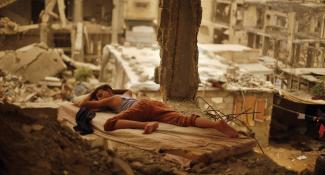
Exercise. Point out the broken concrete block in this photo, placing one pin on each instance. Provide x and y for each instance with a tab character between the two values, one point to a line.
51	82
30	96
8	62
27	57
47	64
33	62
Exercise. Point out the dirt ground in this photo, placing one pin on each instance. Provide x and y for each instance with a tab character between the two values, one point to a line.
31	146
298	154
43	146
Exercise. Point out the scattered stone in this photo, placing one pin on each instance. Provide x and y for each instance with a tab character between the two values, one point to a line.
97	143
27	128
246	80
37	127
302	157
124	166
93	151
13	89
137	165
65	172
7	26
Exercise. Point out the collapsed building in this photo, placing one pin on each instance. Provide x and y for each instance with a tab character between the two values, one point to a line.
289	31
78	27
289	35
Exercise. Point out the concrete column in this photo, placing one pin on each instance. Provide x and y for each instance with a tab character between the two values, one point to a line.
266	45
264	38
322	27
276	49
44	33
78	10
45	29
115	21
77	42
291	35
310	55
232	22
177	36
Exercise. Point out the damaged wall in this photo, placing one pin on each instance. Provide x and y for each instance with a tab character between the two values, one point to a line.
177	36
20	12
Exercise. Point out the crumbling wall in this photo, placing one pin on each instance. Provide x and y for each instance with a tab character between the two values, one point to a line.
177	36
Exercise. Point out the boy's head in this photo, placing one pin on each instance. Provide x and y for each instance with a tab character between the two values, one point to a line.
102	92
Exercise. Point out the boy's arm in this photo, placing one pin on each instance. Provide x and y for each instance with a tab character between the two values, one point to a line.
128	93
99	104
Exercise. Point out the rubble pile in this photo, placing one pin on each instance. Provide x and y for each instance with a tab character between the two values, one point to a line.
7	26
13	89
246	80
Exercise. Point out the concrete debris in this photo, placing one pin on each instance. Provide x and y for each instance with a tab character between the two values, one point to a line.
13	89
51	82
302	157
7	26
37	127
31	128
78	64
246	80
124	166
138	65
33	62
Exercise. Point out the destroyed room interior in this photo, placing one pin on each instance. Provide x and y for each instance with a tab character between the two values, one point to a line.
162	87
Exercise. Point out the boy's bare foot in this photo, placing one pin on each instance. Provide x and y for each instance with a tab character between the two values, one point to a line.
223	127
150	127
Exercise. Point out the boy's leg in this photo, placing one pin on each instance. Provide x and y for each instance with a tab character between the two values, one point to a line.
219	125
135	113
163	113
148	127
196	121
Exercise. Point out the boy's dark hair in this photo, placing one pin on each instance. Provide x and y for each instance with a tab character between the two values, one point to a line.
104	87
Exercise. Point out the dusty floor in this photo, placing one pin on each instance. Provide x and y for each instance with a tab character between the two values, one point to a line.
43	146
299	154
